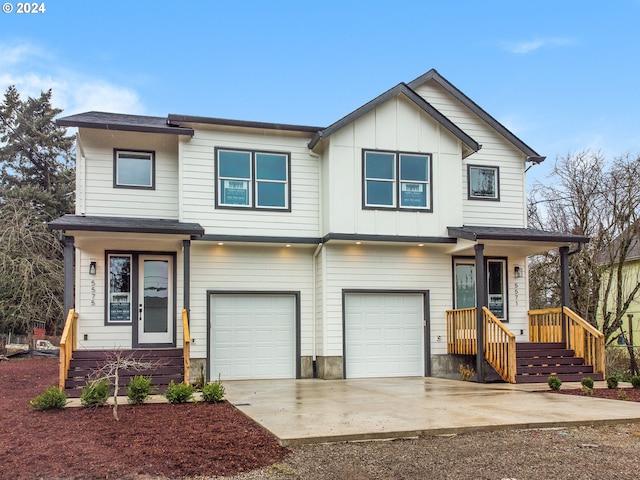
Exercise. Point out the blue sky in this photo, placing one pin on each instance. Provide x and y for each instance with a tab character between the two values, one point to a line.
562	75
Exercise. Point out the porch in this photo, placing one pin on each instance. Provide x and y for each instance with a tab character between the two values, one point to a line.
163	365
561	343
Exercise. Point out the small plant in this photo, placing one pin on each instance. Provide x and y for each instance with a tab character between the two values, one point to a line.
466	372
612	381
587	382
587	391
95	394
554	382
635	381
179	392
622	395
51	398
213	391
139	389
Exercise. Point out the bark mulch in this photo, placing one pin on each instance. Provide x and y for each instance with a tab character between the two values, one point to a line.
157	440
629	394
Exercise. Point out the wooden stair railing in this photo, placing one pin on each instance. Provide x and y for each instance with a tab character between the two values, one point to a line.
499	346
68	343
461	331
186	349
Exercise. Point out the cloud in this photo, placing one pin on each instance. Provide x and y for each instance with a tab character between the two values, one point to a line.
538	43
31	70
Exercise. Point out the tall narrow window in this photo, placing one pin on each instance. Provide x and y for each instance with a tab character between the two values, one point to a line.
496	288
119	289
134	169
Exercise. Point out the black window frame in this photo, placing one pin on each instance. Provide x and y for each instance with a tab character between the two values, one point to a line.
485	167
397	181
152	156
253	181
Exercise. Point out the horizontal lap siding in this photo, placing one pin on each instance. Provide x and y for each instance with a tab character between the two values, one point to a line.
95	183
495	151
268	269
386	268
199	189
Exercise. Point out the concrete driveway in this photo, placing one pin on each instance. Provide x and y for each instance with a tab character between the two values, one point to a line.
314	411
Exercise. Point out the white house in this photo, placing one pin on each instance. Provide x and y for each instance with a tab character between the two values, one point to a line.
301	251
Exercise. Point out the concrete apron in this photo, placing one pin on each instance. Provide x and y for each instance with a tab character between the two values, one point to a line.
317	411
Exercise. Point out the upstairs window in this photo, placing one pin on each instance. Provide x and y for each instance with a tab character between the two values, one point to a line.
397	180
484	182
252	179
134	169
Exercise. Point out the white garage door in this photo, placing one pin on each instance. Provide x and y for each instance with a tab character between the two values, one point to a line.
384	335
252	336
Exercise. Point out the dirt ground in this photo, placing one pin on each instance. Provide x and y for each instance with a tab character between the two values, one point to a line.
202	441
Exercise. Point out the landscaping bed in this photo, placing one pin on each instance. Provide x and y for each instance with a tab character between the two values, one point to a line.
150	440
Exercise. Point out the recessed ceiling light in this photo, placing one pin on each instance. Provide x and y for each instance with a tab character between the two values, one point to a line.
358	243
288	245
421	244
220	243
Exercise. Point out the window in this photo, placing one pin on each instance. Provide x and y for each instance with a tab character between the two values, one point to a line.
483	182
464	285
249	179
397	180
134	169
119	310
496	288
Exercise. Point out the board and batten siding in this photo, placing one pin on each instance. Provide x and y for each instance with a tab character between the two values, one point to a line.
198	186
95	183
373	267
396	125
91	289
226	268
496	151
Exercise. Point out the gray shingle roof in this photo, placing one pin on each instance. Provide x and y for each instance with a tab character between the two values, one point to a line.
125	122
126	225
475	233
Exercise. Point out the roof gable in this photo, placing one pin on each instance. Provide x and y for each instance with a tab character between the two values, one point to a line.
400	89
433	76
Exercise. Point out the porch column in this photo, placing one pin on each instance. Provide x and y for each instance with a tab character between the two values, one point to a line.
69	257
481	301
565	301
186	263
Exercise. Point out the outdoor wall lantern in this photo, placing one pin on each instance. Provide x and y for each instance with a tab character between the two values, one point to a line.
517	271
92	268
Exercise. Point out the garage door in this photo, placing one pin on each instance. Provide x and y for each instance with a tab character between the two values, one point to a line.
252	336
384	335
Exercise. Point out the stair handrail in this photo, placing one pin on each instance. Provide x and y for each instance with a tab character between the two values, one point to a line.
585	340
545	325
499	346
68	343
186	346
461	331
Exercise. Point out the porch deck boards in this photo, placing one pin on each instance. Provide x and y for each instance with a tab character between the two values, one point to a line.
167	366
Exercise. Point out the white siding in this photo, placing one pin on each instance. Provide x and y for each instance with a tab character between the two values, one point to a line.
235	268
386	268
199	189
496	151
95	175
397	125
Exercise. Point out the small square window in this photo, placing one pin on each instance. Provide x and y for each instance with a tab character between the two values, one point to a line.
134	169
483	182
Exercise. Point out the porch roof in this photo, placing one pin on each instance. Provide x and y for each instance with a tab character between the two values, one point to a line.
475	233
125	224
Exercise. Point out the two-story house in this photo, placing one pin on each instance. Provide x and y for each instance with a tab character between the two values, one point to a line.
364	249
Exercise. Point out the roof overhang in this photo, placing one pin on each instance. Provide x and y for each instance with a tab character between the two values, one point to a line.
125	225
477	233
123	122
174	118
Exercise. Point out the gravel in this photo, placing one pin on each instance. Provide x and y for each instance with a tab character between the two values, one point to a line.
601	452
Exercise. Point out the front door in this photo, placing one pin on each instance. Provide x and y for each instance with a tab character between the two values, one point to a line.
465	285
156	312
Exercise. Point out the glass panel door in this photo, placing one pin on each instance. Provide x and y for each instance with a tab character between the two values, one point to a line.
496	288
155	309
465	284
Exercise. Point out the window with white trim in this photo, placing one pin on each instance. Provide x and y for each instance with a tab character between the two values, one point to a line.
397	180
134	169
252	179
484	182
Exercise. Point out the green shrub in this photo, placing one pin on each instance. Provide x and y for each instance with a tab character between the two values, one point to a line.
50	399
213	391
139	389
612	381
179	392
635	381
587	391
587	382
95	394
554	382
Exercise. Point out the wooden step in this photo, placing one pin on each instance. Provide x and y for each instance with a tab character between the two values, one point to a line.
565	377
555	369
539	361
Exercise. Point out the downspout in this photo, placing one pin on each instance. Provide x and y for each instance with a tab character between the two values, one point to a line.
315	311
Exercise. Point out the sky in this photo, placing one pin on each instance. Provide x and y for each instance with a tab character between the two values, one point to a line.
562	75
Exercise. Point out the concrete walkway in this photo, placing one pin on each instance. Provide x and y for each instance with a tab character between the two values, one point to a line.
315	411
